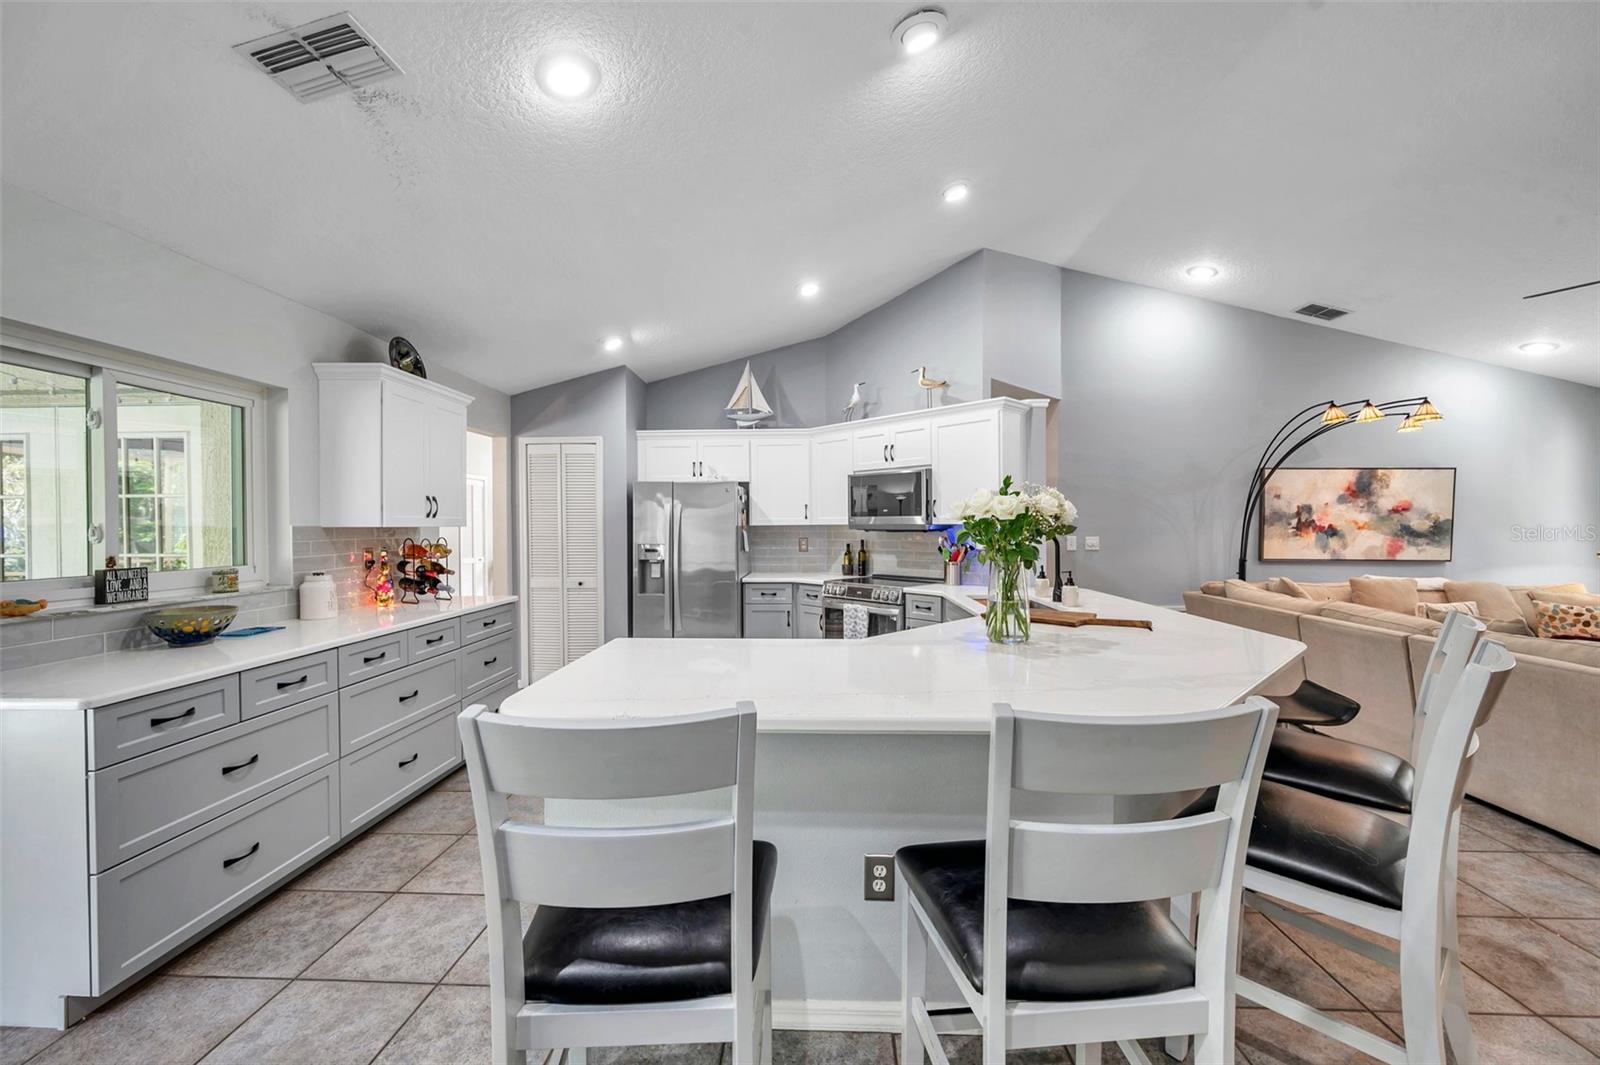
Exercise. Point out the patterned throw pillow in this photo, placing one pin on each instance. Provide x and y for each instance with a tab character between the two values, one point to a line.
1566	621
1442	611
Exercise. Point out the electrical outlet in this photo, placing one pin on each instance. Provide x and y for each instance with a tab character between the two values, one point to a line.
1091	543
878	881
805	545
1070	543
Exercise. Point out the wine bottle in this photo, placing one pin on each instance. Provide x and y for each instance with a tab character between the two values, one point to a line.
863	563
849	562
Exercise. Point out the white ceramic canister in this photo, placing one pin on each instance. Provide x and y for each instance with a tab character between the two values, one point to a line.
317	599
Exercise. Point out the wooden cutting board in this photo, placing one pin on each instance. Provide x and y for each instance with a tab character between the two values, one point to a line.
1072	619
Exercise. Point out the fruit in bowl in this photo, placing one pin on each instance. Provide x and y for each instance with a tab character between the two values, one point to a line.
186	626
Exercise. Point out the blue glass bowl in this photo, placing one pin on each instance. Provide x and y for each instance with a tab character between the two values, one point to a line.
186	626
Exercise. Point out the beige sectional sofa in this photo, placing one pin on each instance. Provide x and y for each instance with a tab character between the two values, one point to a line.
1540	754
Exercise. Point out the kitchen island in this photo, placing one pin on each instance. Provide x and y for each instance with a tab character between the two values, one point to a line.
868	745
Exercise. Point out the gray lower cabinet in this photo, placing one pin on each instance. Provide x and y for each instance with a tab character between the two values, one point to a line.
267	688
917	623
150	904
375	780
488	662
768	621
375	708
151	722
372	658
924	608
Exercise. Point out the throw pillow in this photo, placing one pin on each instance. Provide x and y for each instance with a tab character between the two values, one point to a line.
1494	600
1319	593
1245	592
1570	588
1285	586
1564	621
1527	599
1396	594
1442	611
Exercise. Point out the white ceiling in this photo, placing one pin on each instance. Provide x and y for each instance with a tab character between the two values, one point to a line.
1423	165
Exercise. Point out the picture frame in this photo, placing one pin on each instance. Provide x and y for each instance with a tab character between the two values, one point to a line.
1358	514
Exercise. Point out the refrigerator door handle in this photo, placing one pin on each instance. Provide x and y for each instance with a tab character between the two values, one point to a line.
675	553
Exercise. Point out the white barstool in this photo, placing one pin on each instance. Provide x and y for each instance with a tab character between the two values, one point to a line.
1049	929
1398	880
646	934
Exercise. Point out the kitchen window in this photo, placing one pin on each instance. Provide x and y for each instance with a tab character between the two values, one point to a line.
107	454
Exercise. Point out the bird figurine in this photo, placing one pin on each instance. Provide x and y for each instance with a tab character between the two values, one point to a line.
855	401
928	385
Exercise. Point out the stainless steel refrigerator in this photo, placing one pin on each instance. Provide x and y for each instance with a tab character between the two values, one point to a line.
691	550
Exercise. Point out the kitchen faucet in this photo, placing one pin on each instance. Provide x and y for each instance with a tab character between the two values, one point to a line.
1055	588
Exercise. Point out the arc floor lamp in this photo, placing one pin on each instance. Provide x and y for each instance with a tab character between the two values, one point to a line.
1307	425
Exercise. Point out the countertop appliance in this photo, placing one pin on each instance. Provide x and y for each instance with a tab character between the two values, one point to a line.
691	550
892	499
881	596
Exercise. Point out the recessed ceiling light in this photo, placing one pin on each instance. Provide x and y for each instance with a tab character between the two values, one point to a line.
612	344
810	290
568	75
957	192
920	30
1538	347
1202	272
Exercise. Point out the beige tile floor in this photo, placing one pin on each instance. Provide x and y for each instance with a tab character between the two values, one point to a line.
377	955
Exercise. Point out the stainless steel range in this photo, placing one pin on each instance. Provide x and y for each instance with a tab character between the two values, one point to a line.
880	596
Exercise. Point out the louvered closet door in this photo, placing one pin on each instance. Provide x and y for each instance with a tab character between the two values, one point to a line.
542	560
580	539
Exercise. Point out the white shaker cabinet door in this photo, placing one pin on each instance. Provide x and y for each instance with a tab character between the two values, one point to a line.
406	416
670	458
780	480
447	464
831	465
966	457
722	459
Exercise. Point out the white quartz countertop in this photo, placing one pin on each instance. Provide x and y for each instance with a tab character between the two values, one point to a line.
939	679
99	680
788	577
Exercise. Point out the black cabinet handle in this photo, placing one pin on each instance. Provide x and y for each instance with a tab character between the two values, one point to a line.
407	762
156	721
491	661
254	758
430	642
886	452
379	657
282	684
230	862
491	623
408	698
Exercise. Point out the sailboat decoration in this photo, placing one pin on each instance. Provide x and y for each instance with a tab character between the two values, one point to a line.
748	407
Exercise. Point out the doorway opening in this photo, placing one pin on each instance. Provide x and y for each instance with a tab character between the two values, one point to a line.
474	542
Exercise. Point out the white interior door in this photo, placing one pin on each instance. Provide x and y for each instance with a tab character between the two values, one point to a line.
561	552
473	537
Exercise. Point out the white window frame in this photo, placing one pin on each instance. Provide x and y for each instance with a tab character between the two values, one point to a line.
105	368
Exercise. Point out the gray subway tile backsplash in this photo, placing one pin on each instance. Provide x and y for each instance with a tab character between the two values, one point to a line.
776	548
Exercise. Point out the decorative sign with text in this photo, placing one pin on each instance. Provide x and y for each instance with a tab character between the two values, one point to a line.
130	584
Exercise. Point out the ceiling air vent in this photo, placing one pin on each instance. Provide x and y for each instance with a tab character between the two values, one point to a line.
321	58
1317	310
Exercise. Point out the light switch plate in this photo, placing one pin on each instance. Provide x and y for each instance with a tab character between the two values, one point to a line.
805	545
878	878
1070	543
1091	543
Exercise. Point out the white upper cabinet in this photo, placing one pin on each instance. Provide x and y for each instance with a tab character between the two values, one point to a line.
672	456
780	479
898	443
392	448
831	465
975	449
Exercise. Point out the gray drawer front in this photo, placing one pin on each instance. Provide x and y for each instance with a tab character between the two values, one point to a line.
149	905
487	623
915	623
491	697
924	608
146	801
377	708
372	658
139	726
488	662
374	781
267	688
768	593
431	641
809	593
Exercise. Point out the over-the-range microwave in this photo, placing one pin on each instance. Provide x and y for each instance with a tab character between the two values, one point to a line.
892	499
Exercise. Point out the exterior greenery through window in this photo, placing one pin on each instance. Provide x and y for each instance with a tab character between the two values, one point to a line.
14	509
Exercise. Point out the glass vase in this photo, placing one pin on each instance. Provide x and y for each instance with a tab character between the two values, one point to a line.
1007	613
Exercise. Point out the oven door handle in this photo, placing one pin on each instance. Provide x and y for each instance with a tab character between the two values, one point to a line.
871	608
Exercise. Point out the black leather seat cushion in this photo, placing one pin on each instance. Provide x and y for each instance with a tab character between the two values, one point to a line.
641	953
1312	704
1339	769
1329	844
1054	951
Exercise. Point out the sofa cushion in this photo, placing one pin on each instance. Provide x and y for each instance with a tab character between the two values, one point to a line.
1373	617
1566	621
1398	594
1553	593
1577	652
1442	611
1494	600
1329	592
1244	592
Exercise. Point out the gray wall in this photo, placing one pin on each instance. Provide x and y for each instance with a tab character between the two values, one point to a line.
1170	399
1021	323
607	405
794	380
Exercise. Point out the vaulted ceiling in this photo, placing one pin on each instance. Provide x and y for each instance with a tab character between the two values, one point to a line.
1424	166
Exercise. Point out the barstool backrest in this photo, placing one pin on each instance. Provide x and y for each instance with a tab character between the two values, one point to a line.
1451	650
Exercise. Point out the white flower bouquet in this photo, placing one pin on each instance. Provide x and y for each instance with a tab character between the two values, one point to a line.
1007	527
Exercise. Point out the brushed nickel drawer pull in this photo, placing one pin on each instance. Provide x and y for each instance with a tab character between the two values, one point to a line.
367	660
228	863
434	640
408	761
282	684
254	758
408	698
156	722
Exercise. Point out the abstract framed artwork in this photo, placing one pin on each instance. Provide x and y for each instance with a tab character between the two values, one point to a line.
1370	514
